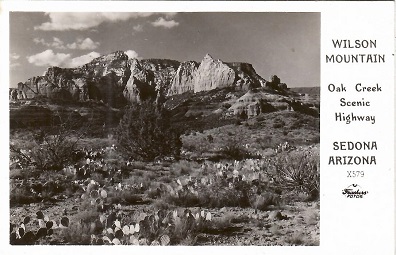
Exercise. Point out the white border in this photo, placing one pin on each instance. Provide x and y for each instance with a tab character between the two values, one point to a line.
331	225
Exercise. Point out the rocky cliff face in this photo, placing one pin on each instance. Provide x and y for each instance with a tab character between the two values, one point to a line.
116	80
213	74
102	79
183	80
246	76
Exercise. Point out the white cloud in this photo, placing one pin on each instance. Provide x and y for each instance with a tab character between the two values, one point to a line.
14	65
56	42
86	44
61	21
132	54
14	56
49	58
39	41
161	22
80	44
79	61
138	28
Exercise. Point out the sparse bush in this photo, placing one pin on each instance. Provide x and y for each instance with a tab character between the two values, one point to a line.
145	133
183	167
79	232
298	171
183	198
53	148
22	195
86	216
219	194
233	150
217	197
296	239
263	201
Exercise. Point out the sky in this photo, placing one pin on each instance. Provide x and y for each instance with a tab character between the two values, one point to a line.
285	44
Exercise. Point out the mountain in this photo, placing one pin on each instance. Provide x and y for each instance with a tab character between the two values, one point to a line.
116	80
212	91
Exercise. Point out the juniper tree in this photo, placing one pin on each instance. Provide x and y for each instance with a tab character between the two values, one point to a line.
145	132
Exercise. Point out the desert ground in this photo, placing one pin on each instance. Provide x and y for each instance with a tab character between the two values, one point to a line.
237	182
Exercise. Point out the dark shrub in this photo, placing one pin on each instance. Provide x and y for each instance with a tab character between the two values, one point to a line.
145	133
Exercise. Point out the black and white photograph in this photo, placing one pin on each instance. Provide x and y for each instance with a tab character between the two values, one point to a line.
173	128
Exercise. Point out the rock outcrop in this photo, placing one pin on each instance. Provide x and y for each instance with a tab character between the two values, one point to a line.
275	83
213	74
148	78
255	102
252	104
101	79
246	76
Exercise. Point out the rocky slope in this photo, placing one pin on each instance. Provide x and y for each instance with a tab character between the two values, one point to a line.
115	79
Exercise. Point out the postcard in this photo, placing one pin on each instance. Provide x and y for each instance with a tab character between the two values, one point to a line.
198	127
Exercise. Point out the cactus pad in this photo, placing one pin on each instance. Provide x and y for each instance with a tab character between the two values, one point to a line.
40	215
65	221
116	241
165	240
26	220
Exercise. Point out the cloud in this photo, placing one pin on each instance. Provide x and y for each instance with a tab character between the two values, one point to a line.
49	58
14	65
56	43
86	44
80	44
132	54
60	21
82	60
40	41
161	22
14	56
138	28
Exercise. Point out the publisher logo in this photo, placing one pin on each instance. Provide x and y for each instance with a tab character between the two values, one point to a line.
354	191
